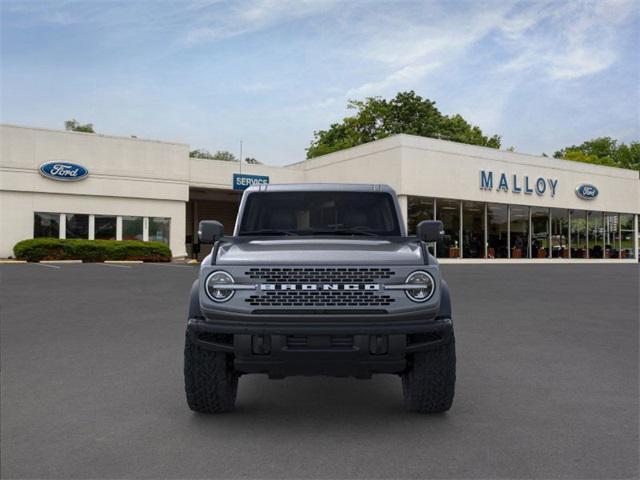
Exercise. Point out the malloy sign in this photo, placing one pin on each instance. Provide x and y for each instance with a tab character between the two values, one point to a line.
515	183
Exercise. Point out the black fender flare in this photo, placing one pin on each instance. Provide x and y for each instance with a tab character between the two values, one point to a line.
445	301
194	300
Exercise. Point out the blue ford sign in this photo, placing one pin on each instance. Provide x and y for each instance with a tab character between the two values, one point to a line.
63	171
242	181
586	191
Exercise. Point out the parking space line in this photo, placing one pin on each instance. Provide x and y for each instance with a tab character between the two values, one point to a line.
113	265
46	265
170	265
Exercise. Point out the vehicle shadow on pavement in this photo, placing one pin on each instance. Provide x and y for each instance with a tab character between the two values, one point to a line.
332	401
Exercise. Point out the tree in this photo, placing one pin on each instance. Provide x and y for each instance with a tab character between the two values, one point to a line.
252	161
201	153
377	118
604	151
219	155
225	156
75	126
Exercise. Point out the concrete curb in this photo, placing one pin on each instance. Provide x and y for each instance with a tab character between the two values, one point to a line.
534	261
123	261
8	261
60	261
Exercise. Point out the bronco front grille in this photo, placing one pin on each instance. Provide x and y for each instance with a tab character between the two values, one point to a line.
335	298
319	274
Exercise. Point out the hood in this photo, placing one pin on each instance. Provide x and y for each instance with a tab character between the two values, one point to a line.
320	251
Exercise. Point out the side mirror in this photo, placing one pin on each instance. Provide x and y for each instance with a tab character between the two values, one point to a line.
430	231
209	231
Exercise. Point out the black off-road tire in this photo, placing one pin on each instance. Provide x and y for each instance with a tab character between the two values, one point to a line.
210	382
428	384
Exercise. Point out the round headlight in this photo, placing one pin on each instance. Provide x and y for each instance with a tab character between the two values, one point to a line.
425	286
213	283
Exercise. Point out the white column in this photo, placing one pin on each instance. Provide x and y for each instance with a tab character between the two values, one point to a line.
530	235
635	237
63	225
509	231
569	230
619	233
486	232
145	229
549	236
586	234
92	227
460	233
194	226
403	200
118	228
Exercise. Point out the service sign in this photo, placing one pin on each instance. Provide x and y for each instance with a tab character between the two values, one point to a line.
63	171
242	181
586	191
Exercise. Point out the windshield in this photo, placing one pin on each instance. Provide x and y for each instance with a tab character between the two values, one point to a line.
319	213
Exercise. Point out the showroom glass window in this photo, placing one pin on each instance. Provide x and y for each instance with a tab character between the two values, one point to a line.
627	233
611	235
578	234
418	209
159	229
596	235
559	233
497	230
46	225
448	212
539	232
132	228
519	231
105	227
472	230
77	226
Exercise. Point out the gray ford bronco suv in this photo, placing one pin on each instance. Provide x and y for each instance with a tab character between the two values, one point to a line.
319	279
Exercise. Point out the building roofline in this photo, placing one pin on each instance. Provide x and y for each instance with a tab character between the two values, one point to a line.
431	144
118	137
355	148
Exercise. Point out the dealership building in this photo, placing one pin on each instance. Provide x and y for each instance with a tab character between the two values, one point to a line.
496	206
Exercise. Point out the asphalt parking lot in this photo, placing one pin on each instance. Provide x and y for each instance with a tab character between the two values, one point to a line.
91	377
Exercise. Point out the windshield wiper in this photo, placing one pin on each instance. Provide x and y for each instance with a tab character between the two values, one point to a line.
268	231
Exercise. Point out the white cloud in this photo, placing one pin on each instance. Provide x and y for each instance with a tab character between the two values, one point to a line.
481	59
558	39
406	39
406	48
246	17
405	77
564	41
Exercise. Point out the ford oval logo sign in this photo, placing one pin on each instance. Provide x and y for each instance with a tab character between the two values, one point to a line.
586	191
64	171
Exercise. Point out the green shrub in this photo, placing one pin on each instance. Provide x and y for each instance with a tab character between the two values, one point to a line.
37	249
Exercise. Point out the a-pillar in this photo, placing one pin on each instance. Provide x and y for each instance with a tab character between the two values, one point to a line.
403	200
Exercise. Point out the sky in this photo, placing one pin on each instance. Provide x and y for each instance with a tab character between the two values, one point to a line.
542	74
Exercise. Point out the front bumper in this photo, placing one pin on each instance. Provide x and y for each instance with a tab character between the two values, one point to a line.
344	346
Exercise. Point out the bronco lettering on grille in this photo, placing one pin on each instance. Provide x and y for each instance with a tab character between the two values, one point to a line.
321	286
